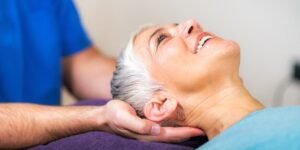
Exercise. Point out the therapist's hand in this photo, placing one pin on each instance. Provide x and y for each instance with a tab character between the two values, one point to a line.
122	119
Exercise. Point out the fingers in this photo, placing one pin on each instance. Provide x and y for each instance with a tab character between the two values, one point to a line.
124	116
137	125
179	134
123	120
168	134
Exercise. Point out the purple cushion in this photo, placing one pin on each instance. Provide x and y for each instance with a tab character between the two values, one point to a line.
106	141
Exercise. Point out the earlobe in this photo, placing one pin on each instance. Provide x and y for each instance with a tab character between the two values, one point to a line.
160	108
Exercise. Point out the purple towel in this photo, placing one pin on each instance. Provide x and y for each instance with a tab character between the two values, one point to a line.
97	140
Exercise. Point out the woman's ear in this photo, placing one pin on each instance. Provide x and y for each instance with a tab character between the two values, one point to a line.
160	107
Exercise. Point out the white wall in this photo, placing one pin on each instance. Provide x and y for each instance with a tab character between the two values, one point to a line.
268	32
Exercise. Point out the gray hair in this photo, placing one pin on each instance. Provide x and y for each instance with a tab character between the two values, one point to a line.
131	81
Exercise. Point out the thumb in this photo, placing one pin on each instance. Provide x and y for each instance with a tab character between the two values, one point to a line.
140	126
155	129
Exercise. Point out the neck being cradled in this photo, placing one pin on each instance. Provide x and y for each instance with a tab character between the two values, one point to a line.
216	109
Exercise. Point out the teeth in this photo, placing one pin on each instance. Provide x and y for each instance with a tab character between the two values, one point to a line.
202	41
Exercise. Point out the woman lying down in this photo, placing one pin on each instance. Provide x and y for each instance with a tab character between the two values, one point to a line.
180	75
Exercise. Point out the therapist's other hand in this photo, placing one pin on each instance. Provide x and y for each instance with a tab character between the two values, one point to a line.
122	119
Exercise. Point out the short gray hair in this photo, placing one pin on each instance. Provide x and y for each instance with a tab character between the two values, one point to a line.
131	80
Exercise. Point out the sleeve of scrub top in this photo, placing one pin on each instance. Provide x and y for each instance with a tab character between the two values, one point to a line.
74	37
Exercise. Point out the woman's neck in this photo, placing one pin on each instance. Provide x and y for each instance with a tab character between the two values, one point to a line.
220	110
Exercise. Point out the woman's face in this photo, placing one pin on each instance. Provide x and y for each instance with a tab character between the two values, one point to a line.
183	57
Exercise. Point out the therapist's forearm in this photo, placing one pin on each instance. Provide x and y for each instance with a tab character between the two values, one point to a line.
88	74
24	125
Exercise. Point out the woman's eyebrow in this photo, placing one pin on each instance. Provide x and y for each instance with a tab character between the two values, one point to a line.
153	34
157	31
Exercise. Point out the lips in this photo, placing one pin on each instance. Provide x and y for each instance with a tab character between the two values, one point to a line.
201	39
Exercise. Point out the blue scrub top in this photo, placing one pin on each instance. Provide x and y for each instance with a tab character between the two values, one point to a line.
34	37
267	129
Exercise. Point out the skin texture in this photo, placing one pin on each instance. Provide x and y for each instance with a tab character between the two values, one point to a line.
203	86
87	75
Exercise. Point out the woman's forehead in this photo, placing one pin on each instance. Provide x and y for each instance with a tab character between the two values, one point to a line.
146	31
139	43
143	33
141	40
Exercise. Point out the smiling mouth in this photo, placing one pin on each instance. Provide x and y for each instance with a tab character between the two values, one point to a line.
202	39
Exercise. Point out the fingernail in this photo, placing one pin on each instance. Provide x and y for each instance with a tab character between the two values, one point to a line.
155	130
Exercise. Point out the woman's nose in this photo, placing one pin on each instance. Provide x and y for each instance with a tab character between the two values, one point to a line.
187	27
